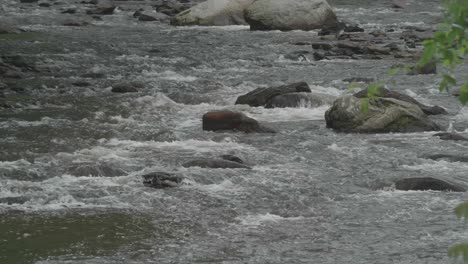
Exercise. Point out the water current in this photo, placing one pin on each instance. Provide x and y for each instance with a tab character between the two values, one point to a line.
71	157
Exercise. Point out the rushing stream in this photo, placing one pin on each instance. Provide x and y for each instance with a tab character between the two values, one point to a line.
72	156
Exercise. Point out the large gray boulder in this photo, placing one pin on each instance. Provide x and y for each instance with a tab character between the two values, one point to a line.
290	15
384	115
213	13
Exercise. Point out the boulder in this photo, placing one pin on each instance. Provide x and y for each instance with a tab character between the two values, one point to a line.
213	13
450	136
161	180
384	115
428	68
215	164
299	100
228	120
447	157
232	158
385	93
426	183
261	96
289	15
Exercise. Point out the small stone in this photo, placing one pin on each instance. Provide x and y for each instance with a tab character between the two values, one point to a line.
161	180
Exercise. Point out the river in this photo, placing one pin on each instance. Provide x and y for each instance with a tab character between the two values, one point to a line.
72	156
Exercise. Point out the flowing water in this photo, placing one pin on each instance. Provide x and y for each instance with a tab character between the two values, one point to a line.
71	157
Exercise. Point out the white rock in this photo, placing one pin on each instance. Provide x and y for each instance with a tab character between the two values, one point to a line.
289	15
214	13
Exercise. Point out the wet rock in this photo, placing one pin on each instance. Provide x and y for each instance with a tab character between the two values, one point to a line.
385	93
161	180
318	56
232	158
450	136
299	100
261	96
44	4
447	157
126	87
69	11
425	184
170	8
398	4
8	29
228	120
384	115
322	45
428	68
213	13
75	23
94	75
215	164
81	84
28	1
14	200
107	9
287	15
338	28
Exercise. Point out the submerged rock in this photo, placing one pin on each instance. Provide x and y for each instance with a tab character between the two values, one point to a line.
126	87
447	157
261	96
161	180
425	184
215	164
8	29
385	93
228	120
451	136
384	115
289	15
213	13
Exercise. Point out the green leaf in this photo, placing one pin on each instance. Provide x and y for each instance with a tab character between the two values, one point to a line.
429	51
450	79
459	250
364	105
394	71
464	94
462	210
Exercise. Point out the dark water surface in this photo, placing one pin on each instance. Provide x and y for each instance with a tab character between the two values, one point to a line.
71	157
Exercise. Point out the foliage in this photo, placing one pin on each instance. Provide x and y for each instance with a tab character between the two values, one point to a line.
449	45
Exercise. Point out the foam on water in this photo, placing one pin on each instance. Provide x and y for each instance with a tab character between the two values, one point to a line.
260	219
288	114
